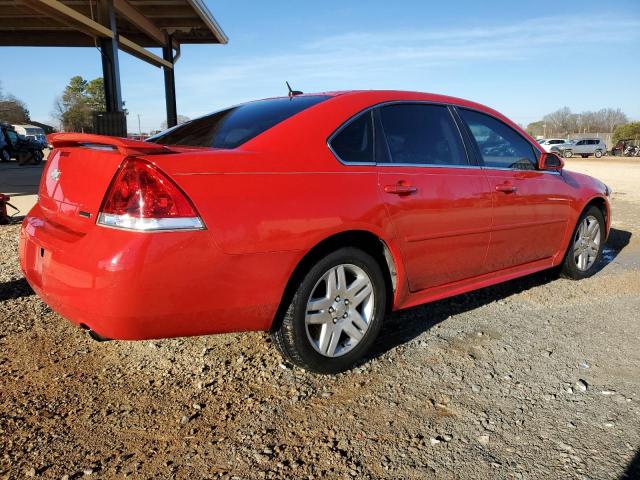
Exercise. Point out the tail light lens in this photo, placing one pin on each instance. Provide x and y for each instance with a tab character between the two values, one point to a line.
143	198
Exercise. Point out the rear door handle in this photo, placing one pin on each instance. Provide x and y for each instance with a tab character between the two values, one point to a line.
400	189
506	188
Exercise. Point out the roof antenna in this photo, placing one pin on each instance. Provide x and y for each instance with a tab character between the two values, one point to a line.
292	93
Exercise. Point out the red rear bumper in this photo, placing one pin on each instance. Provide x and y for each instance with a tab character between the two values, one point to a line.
130	285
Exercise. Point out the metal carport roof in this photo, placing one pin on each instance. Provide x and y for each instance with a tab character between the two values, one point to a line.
129	25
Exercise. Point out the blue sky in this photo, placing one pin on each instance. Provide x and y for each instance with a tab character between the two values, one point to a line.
522	58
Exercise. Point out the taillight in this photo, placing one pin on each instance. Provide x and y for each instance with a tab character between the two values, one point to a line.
141	197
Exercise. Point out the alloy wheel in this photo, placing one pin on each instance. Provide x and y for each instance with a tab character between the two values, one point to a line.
586	243
339	310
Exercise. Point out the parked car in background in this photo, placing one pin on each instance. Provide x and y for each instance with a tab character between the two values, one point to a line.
309	216
583	147
33	133
548	143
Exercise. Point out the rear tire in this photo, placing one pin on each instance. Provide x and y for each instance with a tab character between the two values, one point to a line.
585	249
335	314
5	156
568	154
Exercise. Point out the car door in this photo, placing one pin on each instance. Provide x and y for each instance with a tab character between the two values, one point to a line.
530	207
439	203
580	147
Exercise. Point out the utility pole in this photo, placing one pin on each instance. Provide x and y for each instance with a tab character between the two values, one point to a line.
139	129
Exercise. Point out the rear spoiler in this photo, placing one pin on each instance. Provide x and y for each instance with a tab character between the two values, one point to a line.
123	145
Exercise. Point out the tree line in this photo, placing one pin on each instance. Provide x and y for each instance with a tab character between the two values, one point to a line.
564	122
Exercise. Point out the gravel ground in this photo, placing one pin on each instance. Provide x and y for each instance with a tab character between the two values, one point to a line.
535	378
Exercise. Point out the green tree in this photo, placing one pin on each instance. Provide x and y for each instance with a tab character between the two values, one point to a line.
95	95
627	132
74	108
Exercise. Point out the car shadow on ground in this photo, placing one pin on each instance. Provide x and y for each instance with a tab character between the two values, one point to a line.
632	471
14	289
405	325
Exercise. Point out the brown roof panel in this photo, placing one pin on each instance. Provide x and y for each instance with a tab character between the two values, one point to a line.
37	23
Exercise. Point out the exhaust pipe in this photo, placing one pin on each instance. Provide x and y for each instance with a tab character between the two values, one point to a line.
94	335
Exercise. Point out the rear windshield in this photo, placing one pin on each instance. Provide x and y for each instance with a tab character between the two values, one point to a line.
232	127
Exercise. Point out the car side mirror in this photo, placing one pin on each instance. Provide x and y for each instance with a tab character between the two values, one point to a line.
550	161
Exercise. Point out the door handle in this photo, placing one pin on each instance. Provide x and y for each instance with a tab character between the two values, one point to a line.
400	189
506	188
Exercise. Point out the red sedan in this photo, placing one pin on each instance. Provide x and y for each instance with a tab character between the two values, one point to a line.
310	217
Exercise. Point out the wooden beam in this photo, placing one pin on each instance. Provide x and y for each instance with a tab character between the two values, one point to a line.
142	53
69	16
124	8
59	11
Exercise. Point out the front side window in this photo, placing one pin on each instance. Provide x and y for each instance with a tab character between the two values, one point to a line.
422	134
232	127
354	143
500	146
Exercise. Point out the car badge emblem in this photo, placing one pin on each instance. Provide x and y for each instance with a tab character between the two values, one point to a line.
55	174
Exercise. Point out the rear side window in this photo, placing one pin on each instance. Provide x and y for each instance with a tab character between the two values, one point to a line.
499	145
232	127
354	143
422	134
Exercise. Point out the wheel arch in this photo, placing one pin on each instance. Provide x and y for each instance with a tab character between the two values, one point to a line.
602	204
388	259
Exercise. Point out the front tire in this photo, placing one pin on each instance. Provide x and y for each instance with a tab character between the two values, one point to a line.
585	250
598	154
335	314
5	156
568	154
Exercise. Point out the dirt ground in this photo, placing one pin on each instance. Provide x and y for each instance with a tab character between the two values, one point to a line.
537	378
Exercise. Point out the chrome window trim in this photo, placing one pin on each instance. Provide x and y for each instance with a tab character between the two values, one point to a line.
396	102
552	172
429	165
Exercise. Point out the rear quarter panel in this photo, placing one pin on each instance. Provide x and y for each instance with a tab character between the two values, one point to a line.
284	190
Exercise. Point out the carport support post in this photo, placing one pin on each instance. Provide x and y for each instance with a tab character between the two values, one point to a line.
170	85
110	64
